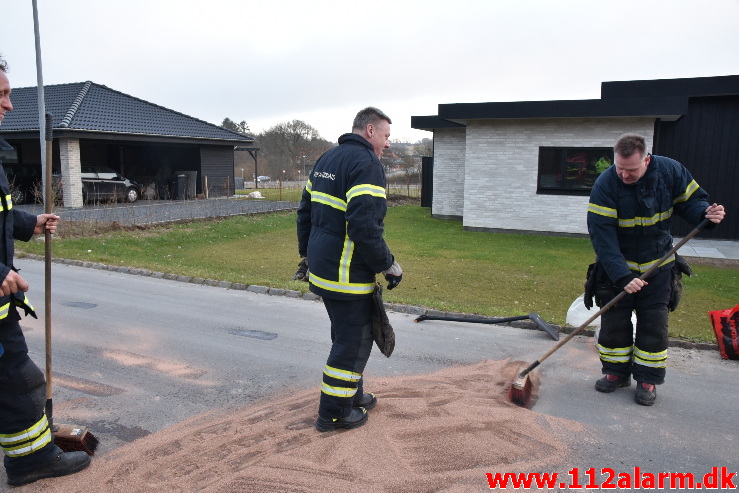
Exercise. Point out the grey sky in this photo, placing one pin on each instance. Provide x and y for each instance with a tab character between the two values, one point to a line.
272	61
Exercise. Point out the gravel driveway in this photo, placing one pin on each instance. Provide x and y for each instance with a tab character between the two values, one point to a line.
162	211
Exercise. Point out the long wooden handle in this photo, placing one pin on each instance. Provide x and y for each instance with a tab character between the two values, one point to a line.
617	298
48	203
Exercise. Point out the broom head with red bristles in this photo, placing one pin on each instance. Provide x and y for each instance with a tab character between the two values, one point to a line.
522	389
73	438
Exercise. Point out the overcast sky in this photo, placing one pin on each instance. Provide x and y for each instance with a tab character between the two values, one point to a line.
272	61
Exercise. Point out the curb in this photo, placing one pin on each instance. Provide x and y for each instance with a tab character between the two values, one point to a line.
289	293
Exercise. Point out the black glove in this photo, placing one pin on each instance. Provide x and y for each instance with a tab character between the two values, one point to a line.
302	273
382	331
393	275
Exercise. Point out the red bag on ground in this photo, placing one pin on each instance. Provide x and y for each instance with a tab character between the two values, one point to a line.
726	326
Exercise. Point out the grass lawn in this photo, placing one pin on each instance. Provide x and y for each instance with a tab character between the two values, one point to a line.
444	267
287	194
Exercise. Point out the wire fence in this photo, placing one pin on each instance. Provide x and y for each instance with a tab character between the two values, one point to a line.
410	189
272	197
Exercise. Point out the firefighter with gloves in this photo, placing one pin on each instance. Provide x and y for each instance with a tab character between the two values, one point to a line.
25	436
340	228
629	216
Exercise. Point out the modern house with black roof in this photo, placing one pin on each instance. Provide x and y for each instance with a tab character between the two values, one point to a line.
529	166
94	125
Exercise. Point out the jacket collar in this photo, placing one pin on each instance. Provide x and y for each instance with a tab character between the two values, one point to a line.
356	139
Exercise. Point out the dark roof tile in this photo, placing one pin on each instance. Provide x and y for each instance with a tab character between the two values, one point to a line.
93	107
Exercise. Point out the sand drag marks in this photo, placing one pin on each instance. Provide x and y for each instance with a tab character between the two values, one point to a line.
436	432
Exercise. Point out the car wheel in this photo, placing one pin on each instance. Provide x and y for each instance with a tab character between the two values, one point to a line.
17	196
132	195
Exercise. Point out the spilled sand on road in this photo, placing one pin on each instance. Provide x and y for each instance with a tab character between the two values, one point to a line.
437	432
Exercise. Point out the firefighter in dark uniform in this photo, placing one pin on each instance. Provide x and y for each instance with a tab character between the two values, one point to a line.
629	216
25	437
340	235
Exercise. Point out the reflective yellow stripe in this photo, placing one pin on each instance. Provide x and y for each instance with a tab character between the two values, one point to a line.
366	189
346	260
645	221
309	186
346	375
653	360
342	287
602	211
27	441
635	266
324	198
8	200
25	304
615	355
338	391
689	190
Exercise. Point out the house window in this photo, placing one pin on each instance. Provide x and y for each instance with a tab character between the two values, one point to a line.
571	170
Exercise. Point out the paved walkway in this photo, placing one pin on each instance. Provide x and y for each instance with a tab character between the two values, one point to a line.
724	249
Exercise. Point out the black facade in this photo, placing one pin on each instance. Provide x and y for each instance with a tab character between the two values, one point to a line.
706	141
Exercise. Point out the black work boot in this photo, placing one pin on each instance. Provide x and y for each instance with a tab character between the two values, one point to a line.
355	419
367	401
60	464
646	393
609	383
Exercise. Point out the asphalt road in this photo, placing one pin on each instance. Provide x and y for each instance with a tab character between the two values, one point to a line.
133	355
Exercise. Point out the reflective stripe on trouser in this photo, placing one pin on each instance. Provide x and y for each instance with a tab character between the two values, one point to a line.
28	441
647	360
22	400
351	334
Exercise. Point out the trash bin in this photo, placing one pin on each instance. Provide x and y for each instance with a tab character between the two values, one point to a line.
181	193
178	187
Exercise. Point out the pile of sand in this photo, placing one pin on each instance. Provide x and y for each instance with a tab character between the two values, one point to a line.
437	432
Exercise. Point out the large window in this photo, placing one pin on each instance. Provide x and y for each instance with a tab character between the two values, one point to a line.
571	170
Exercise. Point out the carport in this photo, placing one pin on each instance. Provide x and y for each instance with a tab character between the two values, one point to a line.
94	125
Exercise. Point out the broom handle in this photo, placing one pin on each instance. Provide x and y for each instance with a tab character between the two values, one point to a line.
48	198
616	299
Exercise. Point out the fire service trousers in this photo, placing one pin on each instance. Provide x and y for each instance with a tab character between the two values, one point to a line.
25	436
351	337
644	357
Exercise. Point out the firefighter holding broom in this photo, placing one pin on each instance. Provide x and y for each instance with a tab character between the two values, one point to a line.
25	436
340	232
629	217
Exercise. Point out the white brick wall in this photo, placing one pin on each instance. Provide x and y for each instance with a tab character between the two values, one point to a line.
501	168
449	172
69	153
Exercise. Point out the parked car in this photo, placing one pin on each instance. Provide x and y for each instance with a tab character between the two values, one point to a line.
100	184
25	182
263	178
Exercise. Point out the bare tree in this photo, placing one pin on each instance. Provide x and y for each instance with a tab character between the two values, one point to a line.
291	147
242	128
425	147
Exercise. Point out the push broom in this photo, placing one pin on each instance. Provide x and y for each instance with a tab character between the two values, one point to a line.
69	438
522	388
